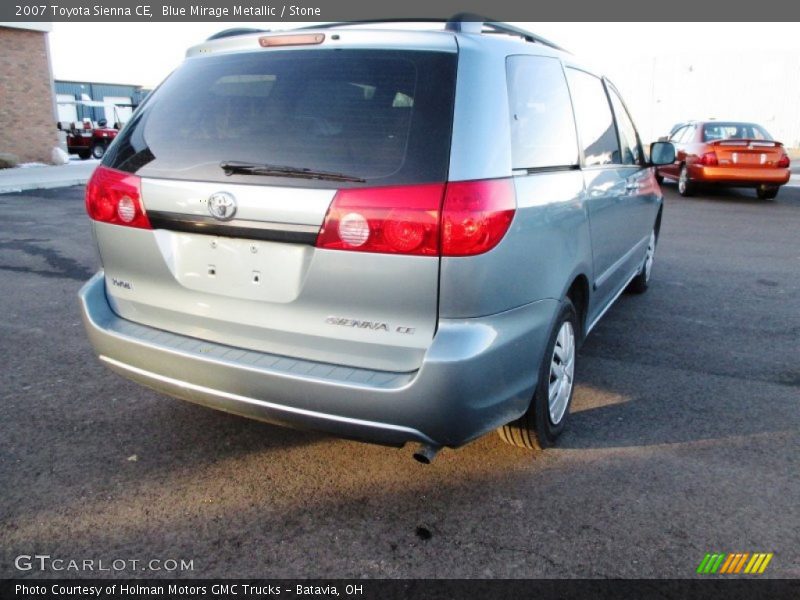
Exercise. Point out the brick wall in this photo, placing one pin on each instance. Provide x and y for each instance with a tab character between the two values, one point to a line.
27	122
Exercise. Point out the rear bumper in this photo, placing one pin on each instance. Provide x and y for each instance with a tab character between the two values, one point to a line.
477	375
739	175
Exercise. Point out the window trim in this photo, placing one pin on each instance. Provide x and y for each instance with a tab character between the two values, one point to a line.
583	165
611	88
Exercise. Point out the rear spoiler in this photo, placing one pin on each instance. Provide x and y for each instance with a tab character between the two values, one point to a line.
748	142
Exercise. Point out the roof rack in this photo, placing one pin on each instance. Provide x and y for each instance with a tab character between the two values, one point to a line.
234	32
459	23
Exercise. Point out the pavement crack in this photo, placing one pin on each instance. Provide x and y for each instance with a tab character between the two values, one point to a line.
61	266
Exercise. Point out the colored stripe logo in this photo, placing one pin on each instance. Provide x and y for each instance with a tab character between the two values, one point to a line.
734	563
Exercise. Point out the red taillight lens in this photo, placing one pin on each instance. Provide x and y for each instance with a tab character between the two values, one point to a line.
460	219
476	215
784	162
709	159
115	197
390	220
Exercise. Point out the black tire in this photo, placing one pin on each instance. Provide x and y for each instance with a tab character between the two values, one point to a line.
641	282
98	150
767	192
84	154
685	185
535	429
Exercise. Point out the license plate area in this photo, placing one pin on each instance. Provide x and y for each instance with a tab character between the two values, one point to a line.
236	268
748	158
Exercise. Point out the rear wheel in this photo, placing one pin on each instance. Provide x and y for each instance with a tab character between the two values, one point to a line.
98	150
685	186
544	420
84	154
640	283
767	192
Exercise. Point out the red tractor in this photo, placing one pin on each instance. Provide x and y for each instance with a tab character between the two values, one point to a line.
87	139
90	141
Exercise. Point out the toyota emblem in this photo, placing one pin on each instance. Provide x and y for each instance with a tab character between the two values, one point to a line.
222	206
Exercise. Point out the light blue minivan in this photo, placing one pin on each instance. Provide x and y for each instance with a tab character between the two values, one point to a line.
386	234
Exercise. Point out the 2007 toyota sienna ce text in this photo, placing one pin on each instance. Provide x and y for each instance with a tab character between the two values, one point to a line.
390	235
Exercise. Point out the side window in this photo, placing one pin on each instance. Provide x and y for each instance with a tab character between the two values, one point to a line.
628	140
542	127
676	137
595	122
688	134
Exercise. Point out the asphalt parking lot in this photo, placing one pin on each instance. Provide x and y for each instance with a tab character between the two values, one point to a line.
684	439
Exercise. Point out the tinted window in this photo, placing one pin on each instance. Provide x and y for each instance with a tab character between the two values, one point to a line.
732	131
628	140
593	115
384	116
542	125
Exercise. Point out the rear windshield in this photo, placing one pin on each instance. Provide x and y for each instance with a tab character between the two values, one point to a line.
378	115
734	131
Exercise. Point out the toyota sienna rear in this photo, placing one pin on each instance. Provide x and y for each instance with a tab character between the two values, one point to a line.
384	235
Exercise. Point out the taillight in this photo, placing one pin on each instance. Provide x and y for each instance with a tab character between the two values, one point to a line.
476	215
709	159
457	219
783	162
115	197
390	220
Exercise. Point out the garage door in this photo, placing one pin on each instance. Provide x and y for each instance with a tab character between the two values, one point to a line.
123	112
66	112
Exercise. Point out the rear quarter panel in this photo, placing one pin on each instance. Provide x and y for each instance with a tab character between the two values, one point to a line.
548	242
547	245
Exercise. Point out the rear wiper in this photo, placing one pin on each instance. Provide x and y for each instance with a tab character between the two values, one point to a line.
230	167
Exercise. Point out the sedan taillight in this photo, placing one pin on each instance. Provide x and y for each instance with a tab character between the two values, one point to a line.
709	159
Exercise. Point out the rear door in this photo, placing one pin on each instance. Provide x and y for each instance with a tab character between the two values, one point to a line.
232	256
613	189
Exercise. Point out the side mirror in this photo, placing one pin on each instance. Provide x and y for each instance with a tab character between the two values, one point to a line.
662	153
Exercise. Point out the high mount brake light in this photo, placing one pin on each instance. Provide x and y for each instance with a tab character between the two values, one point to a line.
304	39
457	219
115	197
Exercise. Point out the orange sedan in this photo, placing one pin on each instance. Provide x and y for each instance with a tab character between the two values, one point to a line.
726	153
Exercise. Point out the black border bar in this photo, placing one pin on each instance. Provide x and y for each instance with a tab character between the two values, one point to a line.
710	588
265	11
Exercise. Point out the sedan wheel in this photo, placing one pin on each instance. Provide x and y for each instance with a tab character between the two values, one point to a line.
767	192
685	187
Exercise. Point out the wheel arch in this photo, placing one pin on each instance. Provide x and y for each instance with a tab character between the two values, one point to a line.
578	293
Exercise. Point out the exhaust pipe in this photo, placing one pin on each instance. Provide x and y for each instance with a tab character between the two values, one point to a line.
426	453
